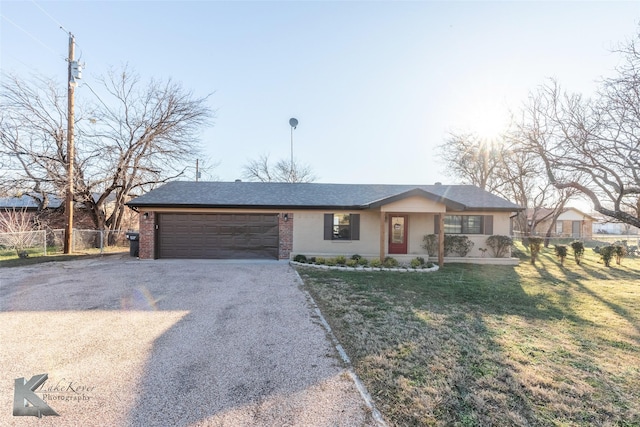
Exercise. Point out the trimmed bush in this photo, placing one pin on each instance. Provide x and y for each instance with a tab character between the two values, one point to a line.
331	262
356	257
390	262
535	245
457	244
620	251
363	262
499	245
341	260
578	251
320	260
453	244
415	263
300	258
606	254
561	253
430	244
375	263
351	263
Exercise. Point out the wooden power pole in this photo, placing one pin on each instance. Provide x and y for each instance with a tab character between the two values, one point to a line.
68	206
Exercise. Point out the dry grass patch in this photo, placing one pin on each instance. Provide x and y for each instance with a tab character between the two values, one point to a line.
475	345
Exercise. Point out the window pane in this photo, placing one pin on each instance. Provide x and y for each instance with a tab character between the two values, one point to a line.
397	230
342	227
472	224
452	224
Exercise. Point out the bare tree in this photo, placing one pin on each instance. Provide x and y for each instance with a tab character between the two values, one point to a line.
504	167
137	136
474	160
18	230
591	145
283	171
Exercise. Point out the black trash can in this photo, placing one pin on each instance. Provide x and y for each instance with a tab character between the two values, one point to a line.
134	244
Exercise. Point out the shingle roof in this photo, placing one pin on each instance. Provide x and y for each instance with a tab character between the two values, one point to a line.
313	195
26	202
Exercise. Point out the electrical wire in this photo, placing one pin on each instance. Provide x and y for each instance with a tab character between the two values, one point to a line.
31	35
50	17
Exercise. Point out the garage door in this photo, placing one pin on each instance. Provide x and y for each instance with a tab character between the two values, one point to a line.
216	236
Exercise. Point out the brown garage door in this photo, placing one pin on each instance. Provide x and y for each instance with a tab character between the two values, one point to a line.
216	236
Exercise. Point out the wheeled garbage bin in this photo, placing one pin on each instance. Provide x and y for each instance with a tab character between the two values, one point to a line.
134	244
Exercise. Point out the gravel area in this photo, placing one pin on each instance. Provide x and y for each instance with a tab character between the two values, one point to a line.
171	343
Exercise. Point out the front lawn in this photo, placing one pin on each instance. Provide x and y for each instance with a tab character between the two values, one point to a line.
474	345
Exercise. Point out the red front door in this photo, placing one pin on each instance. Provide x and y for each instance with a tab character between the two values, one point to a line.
398	225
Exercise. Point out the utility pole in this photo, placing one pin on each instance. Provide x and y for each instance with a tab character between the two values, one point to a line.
197	170
293	122
73	72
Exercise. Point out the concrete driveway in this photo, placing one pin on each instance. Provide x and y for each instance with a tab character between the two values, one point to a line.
170	342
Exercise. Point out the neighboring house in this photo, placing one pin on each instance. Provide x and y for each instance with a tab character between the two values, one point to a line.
53	215
571	222
607	225
280	220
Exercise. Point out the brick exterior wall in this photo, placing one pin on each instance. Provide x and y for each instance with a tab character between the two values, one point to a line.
285	229
147	236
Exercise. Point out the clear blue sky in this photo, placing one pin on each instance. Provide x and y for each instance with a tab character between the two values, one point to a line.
376	86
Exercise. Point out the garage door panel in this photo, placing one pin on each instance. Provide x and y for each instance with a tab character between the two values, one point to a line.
218	236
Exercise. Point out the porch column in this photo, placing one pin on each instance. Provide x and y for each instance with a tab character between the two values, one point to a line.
441	240
382	230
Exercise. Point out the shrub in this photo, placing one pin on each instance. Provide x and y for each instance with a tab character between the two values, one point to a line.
429	265
375	263
606	254
457	244
300	258
390	262
311	260
535	245
363	262
320	260
351	263
620	251
561	252
499	245
578	250
417	262
331	262
341	260
430	244
453	244
356	257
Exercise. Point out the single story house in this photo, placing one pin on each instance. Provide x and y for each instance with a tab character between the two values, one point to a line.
281	220
571	222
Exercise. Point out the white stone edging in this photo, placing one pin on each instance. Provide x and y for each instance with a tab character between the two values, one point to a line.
360	268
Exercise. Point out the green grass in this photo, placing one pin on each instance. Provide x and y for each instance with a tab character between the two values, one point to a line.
9	258
475	345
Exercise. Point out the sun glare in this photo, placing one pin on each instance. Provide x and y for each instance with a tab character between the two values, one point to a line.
487	121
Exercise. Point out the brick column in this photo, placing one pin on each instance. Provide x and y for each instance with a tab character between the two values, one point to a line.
147	235
285	231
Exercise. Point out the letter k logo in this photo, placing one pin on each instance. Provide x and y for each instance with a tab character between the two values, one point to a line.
24	394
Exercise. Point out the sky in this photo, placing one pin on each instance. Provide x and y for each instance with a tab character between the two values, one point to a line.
376	86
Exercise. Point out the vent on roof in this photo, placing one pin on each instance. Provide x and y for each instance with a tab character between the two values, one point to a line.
238	180
438	183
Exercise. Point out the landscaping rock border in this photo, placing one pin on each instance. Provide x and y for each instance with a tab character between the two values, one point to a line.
360	268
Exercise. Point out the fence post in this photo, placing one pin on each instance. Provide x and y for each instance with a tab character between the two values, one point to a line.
44	241
101	241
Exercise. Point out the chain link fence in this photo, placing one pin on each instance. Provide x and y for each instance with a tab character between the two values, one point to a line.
50	242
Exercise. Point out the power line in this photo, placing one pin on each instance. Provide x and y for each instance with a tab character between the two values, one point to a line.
31	35
50	17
